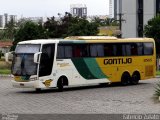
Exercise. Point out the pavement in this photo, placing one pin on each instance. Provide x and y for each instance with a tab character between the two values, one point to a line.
112	99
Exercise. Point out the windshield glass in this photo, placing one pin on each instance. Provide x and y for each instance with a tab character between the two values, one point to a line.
23	65
23	62
27	48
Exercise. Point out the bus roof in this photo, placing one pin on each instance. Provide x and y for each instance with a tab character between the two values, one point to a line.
47	41
91	38
40	41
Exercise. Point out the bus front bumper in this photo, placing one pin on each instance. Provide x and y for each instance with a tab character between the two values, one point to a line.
30	84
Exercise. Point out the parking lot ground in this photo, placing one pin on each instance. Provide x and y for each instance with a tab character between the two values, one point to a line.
112	99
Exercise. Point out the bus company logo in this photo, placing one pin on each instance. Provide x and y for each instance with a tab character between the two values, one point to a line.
63	64
118	61
47	83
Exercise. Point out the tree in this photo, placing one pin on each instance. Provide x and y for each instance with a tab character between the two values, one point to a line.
29	31
152	29
105	22
10	30
82	27
70	26
2	34
51	25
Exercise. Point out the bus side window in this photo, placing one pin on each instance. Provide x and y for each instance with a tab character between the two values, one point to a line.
76	51
140	48
148	48
108	50
100	50
93	50
60	52
68	51
97	50
134	49
119	49
85	50
64	51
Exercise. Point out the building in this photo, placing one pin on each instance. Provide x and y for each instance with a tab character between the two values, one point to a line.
114	8
4	19
136	14
5	46
1	21
79	10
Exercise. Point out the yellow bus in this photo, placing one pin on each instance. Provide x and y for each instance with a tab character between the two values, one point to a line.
82	60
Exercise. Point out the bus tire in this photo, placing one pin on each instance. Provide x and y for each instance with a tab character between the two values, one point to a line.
60	84
38	90
135	78
125	79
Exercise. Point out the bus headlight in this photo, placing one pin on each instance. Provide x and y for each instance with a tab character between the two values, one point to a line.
33	79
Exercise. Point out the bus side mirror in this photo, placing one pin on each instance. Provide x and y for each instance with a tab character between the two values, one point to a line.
9	56
36	57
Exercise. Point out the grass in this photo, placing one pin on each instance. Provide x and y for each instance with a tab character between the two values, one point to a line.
158	73
5	71
5	68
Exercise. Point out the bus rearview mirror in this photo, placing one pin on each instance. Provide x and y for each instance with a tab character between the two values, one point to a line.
36	57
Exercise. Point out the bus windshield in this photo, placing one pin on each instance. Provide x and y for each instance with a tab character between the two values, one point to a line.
23	62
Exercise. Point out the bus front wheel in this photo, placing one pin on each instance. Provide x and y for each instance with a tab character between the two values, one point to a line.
60	84
38	90
125	79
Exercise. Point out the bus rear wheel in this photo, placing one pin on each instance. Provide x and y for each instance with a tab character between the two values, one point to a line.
125	79
135	79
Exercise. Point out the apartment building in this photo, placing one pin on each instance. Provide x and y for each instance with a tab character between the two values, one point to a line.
79	10
136	14
4	19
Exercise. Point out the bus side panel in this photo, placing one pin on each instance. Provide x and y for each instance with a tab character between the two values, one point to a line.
81	71
114	67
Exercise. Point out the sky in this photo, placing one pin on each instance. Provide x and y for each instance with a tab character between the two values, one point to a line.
48	8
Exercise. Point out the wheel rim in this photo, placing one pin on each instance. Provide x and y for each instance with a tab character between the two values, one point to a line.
135	79
125	79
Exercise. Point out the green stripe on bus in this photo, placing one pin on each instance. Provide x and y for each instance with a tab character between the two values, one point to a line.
88	68
94	68
82	68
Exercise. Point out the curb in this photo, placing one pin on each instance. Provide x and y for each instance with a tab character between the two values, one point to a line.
3	75
158	76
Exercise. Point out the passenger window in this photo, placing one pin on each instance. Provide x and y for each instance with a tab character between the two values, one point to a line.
60	52
134	49
109	50
148	48
140	48
68	51
81	50
97	50
64	51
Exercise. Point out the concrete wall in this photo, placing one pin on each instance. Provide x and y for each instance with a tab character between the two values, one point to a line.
129	9
149	10
129	26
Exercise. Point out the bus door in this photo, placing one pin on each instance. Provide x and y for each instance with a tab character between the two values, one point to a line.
46	61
